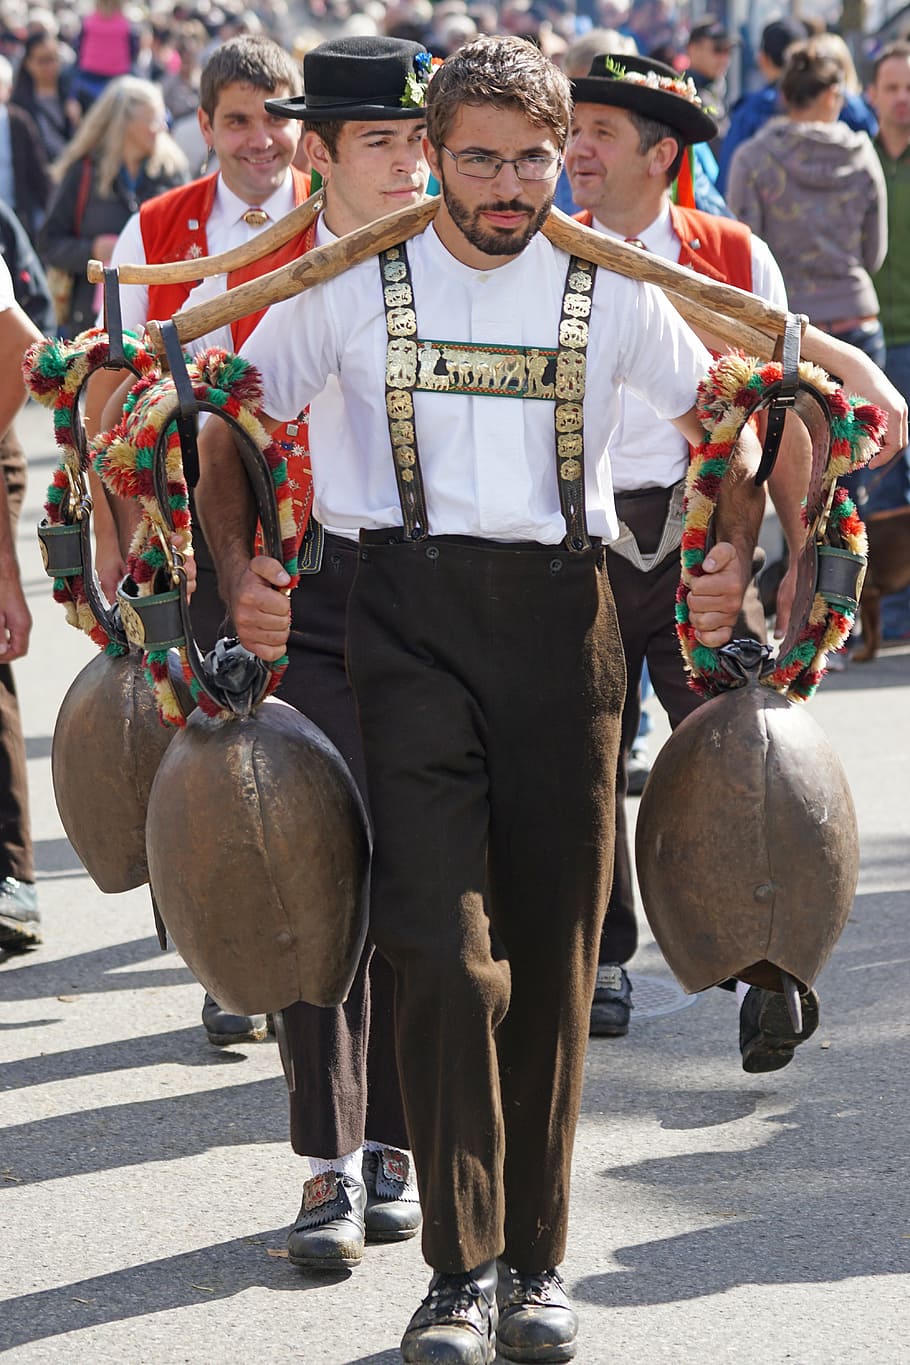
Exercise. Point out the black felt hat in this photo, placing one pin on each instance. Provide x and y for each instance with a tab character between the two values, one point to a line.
363	78
608	82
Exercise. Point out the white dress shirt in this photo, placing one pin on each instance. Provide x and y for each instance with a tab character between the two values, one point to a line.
488	462
225	229
646	453
7	293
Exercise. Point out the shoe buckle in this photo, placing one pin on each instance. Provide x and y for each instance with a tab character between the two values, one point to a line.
395	1166
321	1189
609	977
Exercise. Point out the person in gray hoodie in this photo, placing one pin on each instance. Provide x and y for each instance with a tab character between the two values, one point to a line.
814	190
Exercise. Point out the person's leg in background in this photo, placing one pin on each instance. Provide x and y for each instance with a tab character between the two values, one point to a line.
19	918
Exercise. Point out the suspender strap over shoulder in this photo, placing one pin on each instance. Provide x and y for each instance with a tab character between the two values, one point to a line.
568	414
400	378
402	353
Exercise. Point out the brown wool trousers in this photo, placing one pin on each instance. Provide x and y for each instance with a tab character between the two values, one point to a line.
16	857
339	1063
489	683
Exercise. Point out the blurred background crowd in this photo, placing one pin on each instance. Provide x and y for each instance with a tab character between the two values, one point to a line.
98	113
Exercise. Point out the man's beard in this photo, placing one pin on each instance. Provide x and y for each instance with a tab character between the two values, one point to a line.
496	241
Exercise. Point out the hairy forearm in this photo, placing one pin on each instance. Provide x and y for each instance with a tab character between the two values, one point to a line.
740	504
788	483
860	375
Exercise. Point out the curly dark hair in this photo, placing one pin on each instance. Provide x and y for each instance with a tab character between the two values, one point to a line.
505	71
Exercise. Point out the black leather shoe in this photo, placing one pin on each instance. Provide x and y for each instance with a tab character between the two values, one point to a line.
328	1233
612	1002
20	923
456	1323
536	1320
393	1204
767	1037
223	1028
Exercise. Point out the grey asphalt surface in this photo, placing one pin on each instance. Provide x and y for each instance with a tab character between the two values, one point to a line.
146	1180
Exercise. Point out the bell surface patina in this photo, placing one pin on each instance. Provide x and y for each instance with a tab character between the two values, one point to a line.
258	851
108	742
746	844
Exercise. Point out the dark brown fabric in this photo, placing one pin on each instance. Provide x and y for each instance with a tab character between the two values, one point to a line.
646	606
489	682
345	1076
16	856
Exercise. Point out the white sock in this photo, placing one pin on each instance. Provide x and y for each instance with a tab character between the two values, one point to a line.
350	1165
742	990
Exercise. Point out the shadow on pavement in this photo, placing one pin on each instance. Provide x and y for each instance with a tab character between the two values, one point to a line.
211	1273
146	1131
91	972
177	1047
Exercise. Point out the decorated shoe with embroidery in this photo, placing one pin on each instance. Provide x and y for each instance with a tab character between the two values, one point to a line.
329	1232
393	1204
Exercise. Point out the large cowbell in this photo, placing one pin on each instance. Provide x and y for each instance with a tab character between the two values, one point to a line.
107	745
746	845
258	851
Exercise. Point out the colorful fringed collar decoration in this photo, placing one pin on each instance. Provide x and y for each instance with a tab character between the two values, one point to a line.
125	458
734	388
55	374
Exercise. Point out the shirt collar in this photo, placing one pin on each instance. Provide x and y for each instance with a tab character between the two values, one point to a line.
278	205
657	236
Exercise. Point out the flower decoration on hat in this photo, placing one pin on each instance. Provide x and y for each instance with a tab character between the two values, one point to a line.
683	86
418	80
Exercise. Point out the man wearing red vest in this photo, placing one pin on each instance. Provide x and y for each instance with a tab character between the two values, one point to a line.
633	121
363	131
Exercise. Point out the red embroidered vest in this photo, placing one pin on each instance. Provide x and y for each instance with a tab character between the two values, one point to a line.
173	228
717	247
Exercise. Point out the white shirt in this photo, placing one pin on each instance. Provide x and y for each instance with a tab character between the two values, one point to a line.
488	463
646	453
225	229
7	294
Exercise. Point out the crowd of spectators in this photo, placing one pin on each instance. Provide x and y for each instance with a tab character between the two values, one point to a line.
98	112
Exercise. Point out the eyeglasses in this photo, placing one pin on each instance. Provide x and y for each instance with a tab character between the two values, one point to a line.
479	166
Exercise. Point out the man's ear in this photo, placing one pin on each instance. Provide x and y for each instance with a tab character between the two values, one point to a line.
205	128
317	153
662	155
432	158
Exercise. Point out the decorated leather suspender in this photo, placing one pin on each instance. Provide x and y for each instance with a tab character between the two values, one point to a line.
401	378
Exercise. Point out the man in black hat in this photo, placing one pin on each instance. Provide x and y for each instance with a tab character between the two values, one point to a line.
363	128
485	660
626	142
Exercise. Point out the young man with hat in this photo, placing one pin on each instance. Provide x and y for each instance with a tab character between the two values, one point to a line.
367	144
632	122
483	652
485	660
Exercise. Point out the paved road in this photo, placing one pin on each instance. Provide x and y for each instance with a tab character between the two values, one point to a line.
146	1181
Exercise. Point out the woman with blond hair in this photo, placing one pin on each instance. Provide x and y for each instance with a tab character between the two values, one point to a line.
121	156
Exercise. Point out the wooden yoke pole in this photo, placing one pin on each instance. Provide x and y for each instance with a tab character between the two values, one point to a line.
317	266
733	315
186	272
715	310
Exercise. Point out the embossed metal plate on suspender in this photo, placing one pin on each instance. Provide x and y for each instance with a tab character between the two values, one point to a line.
568	414
400	378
